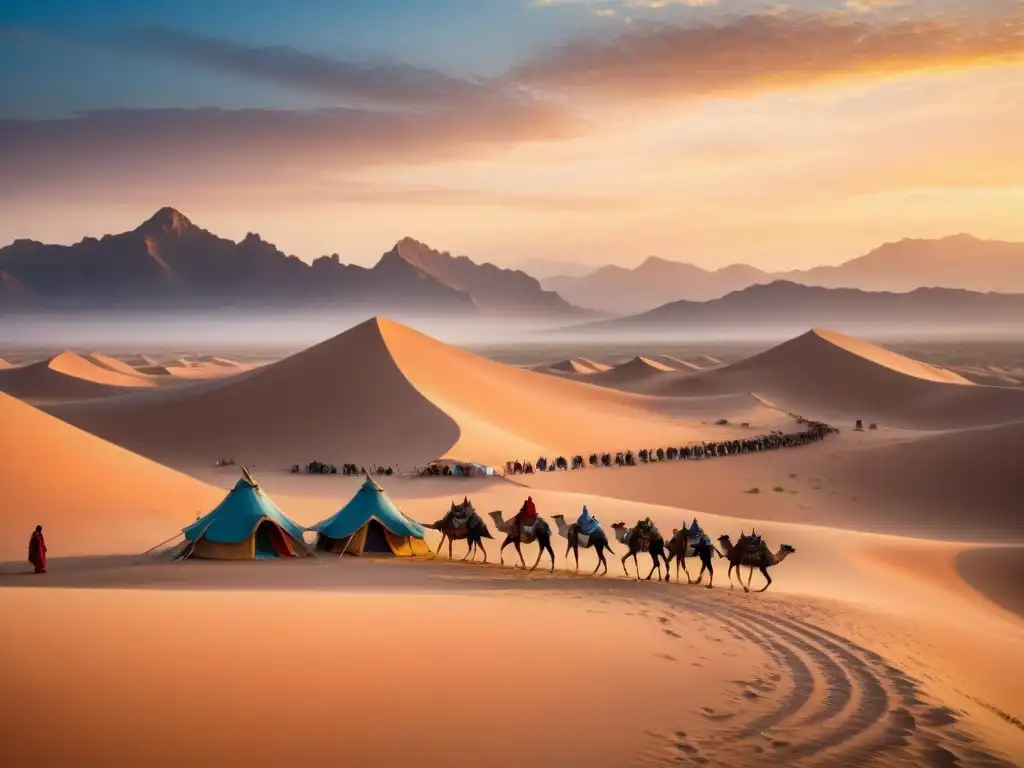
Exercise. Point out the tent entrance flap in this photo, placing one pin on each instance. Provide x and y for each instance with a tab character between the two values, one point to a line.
376	542
269	541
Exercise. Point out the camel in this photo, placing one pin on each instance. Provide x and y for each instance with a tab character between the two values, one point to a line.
597	540
756	556
680	547
462	522
516	535
643	537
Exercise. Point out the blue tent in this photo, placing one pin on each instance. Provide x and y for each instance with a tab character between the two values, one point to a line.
370	524
245	525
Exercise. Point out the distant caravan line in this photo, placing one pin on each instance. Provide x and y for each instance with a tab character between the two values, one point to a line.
815	431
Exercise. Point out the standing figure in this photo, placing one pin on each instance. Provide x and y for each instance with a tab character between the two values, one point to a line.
37	550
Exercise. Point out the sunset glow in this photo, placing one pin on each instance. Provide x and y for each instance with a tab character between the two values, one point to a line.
588	131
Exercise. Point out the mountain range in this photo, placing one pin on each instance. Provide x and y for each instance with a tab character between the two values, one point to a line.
784	305
168	261
958	261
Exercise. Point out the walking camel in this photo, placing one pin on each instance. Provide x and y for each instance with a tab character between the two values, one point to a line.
681	546
597	540
643	537
462	522
754	553
518	534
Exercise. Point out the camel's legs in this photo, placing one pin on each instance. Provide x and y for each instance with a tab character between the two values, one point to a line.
501	552
636	564
547	546
624	558
449	547
750	575
440	544
764	572
519	551
576	554
469	550
480	544
540	551
729	575
656	565
711	572
682	559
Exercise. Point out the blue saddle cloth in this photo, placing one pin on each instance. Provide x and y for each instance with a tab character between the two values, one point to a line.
588	523
697	535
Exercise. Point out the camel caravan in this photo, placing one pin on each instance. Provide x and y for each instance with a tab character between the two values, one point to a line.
462	522
812	433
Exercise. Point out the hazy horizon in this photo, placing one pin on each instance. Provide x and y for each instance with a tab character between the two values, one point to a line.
259	335
798	137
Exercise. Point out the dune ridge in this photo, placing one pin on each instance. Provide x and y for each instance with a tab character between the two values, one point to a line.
114	365
823	374
570	365
67	376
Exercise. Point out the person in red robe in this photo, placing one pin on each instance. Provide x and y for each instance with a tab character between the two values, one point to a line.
37	550
529	512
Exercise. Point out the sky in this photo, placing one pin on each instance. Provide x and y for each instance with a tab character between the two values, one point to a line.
593	131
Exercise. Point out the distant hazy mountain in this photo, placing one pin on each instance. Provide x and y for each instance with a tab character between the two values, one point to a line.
787	305
503	290
545	268
653	283
169	262
959	261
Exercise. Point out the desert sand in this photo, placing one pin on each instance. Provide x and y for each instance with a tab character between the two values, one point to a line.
889	637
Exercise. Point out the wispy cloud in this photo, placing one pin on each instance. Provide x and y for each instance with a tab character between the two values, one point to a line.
768	52
385	83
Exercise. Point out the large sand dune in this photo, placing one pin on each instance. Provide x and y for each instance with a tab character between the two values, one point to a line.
68	376
92	496
381	392
826	375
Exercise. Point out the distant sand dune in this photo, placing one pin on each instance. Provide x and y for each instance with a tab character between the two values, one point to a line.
826	375
112	364
594	364
4	365
67	376
572	365
632	371
679	364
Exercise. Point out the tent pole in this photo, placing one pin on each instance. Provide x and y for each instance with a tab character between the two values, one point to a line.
191	549
162	543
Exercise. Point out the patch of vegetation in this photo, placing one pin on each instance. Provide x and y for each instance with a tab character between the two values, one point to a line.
745	425
779	489
755	489
792	475
721	422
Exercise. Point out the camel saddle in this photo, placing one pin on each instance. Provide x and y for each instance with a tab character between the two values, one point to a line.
751	549
644	540
459	522
526	532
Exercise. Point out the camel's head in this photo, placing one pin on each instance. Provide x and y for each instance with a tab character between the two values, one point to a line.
788	549
724	539
558	517
617	526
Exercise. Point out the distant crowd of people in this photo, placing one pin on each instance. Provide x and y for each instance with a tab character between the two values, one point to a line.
813	431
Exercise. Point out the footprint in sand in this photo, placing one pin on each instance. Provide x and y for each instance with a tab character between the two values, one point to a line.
672	633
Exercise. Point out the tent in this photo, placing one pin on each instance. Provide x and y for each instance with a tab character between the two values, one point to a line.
371	524
246	525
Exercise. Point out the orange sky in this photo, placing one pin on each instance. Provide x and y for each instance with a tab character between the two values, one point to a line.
781	141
